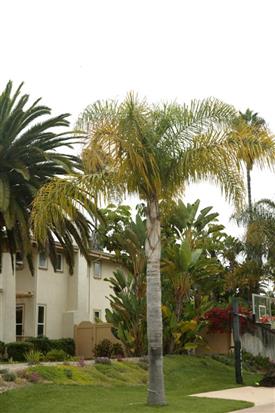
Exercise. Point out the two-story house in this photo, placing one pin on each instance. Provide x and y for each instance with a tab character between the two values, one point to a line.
51	302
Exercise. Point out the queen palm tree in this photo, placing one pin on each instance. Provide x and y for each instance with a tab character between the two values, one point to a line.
250	124
29	157
152	151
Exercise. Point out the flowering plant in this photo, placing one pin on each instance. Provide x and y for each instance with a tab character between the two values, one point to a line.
220	319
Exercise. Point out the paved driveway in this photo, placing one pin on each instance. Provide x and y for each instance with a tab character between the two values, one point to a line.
262	397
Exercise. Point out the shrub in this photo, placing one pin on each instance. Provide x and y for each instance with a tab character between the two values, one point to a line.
104	349
256	363
18	349
21	373
102	360
56	355
33	357
9	376
220	319
34	377
269	379
117	350
68	373
65	344
44	344
41	344
4	371
2	349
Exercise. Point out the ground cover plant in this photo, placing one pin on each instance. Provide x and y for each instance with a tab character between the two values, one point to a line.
120	388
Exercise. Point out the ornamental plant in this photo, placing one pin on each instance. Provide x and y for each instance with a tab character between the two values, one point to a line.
220	319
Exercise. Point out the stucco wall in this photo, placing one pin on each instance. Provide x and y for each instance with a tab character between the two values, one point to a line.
100	289
7	301
259	340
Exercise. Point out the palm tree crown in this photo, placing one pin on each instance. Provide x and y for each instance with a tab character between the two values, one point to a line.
29	158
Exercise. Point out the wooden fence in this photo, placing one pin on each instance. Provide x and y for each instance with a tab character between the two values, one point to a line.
87	335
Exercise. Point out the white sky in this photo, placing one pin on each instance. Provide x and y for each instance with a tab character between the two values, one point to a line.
74	52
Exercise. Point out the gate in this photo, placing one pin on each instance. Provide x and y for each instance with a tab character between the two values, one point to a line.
87	335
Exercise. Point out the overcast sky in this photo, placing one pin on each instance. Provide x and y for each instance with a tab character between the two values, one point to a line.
72	53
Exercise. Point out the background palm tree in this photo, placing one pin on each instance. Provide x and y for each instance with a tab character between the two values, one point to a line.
29	157
153	151
249	124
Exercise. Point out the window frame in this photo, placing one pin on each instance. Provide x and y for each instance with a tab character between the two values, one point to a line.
23	320
94	316
43	267
61	269
19	263
98	276
44	320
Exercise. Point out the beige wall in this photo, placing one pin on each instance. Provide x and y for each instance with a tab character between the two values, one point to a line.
100	289
68	299
7	300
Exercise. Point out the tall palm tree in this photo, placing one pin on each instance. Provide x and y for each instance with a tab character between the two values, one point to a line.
153	151
29	157
250	124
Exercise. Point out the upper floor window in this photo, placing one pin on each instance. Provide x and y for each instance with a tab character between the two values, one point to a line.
97	269
43	261
97	316
19	263
59	262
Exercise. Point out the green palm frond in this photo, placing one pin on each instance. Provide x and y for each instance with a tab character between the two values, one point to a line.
29	157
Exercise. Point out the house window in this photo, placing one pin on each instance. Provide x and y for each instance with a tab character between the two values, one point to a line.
19	261
97	270
59	262
41	313
19	320
43	261
97	315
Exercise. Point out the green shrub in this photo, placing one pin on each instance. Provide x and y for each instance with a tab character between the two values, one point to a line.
4	371
256	363
33	357
18	349
104	349
9	376
56	355
65	344
41	344
68	373
117	350
44	344
269	379
2	349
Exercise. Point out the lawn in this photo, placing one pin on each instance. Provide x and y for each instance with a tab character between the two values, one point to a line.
120	388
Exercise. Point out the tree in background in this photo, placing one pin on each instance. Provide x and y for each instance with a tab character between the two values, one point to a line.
250	125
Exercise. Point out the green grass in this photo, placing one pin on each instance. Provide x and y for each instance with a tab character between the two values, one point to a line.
120	388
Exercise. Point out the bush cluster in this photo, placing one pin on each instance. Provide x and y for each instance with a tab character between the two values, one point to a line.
44	345
107	349
19	349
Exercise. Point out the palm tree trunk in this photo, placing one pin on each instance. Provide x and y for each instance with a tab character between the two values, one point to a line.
156	394
249	198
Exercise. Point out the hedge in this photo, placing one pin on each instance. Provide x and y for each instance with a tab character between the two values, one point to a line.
44	344
18	349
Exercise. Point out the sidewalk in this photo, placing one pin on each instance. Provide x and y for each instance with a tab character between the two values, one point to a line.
262	397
